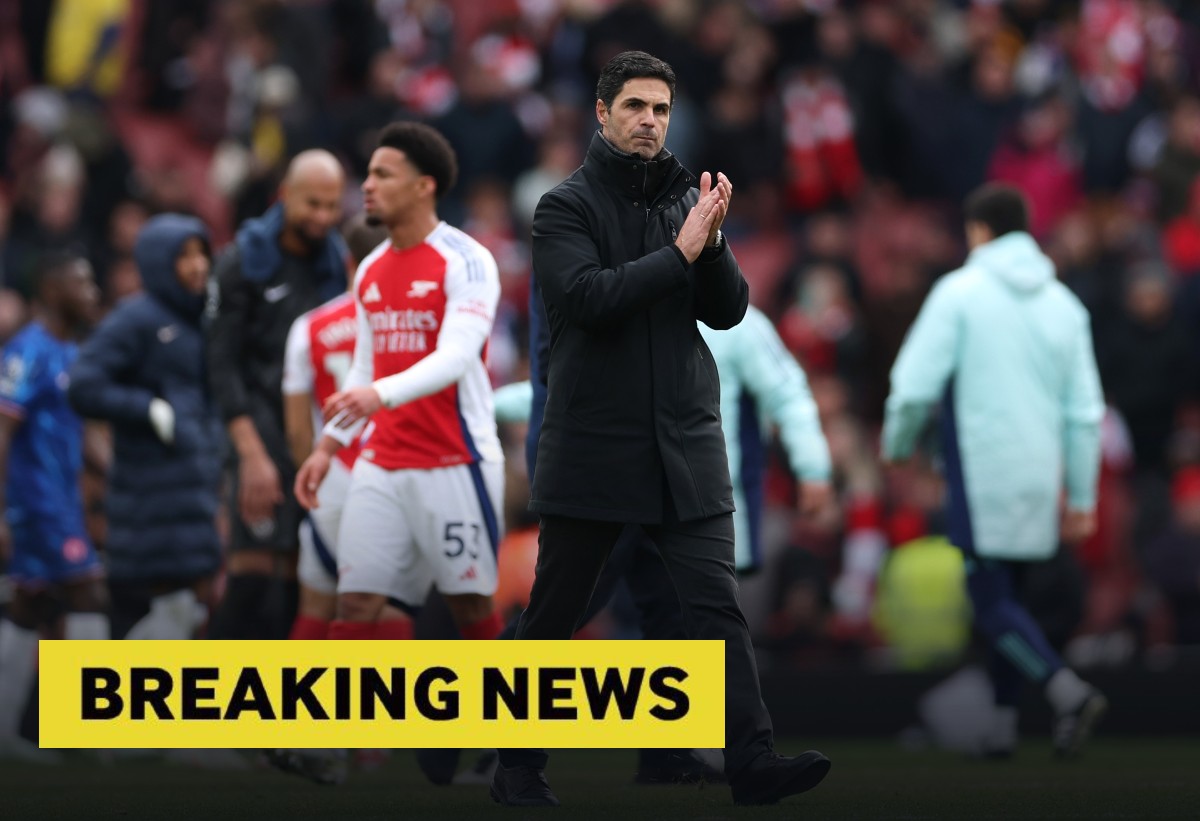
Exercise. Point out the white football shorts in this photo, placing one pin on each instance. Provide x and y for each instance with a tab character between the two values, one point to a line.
406	531
317	567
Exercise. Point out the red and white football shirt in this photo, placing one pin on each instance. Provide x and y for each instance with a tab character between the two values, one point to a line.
424	317
318	358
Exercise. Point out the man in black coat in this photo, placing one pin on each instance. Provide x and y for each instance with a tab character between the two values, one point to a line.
143	370
629	256
282	264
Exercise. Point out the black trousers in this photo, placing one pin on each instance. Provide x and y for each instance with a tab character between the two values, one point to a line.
699	558
634	560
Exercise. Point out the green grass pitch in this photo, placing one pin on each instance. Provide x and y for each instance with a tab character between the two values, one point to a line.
1117	778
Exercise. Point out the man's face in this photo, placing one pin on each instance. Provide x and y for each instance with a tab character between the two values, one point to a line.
312	207
191	266
392	187
637	121
78	295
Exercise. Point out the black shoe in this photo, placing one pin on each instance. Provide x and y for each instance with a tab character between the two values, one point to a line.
675	767
1072	729
522	787
439	765
775	777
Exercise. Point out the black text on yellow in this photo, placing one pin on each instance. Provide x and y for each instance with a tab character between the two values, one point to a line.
292	693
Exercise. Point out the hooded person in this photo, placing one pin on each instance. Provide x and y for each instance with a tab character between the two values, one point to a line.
1005	350
143	371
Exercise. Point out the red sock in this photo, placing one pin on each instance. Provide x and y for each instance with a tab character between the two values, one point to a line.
359	630
306	627
485	628
394	630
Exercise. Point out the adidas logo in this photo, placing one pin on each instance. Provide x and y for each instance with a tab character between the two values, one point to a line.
372	294
468	574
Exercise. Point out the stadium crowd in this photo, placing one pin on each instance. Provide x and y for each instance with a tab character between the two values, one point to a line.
853	130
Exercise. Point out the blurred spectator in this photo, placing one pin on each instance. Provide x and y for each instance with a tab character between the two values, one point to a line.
559	155
1178	162
485	132
1173	559
1147	366
1036	158
1181	238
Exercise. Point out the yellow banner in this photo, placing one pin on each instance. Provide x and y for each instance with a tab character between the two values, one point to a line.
388	694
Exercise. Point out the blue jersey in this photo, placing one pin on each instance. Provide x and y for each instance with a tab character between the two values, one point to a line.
46	456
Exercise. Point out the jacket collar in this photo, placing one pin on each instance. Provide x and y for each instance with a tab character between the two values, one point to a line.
632	176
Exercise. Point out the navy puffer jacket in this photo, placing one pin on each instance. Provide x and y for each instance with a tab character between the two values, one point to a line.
162	499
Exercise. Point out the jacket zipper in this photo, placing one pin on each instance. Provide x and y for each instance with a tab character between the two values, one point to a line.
645	195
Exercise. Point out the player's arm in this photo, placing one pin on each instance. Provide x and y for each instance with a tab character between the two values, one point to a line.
921	372
339	431
1083	411
8	426
347	410
97	447
228	319
780	387
258	478
298	379
575	282
18	384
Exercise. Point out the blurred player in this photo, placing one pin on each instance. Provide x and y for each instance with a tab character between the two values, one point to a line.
42	533
1007	350
320	350
424	506
319	353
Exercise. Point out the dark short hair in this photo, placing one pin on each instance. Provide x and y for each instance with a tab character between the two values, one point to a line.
52	266
1002	208
426	149
630	65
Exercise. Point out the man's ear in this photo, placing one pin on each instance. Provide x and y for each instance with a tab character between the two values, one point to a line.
601	112
428	186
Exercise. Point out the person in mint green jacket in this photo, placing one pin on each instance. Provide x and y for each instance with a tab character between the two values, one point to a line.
762	384
1006	351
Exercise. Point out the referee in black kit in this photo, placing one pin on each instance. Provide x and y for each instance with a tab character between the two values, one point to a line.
629	255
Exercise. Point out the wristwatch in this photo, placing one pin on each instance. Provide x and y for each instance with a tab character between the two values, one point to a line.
711	251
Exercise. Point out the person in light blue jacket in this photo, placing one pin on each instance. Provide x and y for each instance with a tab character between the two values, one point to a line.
761	385
1006	351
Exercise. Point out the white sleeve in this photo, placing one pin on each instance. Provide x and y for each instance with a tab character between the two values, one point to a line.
472	294
298	376
362	369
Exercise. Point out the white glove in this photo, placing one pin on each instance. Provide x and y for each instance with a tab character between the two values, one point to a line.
162	419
